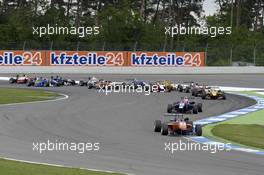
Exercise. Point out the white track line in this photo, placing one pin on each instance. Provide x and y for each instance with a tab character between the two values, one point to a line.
43	101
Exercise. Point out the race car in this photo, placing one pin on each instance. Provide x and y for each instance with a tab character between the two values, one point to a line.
213	93
134	83
19	80
69	82
185	106
139	83
198	89
185	87
176	125
92	81
39	82
57	81
165	86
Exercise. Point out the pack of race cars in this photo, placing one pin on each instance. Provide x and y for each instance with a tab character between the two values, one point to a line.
196	89
177	124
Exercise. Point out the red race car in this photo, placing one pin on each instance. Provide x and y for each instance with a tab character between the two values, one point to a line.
19	80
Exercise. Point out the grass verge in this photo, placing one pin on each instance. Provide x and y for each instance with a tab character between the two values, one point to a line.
13	95
19	168
226	134
251	135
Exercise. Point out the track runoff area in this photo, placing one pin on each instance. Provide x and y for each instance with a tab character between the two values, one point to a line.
123	125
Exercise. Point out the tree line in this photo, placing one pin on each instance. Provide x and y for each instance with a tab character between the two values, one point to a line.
137	23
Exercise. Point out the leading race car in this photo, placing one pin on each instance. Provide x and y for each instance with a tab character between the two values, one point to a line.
19	80
176	125
184	106
213	93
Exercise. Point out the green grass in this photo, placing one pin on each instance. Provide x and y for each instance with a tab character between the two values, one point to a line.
8	167
12	95
251	135
250	120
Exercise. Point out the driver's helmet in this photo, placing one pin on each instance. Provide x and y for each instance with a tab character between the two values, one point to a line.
185	99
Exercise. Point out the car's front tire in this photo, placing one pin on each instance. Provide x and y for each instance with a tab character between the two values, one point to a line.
169	108
164	129
195	109
198	130
157	126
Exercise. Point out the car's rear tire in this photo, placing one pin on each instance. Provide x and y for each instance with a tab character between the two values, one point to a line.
157	126
200	107
164	129
203	95
89	86
198	130
81	83
195	109
30	83
169	108
190	123
180	89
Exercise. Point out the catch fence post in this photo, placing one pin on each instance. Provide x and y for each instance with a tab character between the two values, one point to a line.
254	54
231	55
205	53
78	44
24	45
51	45
103	49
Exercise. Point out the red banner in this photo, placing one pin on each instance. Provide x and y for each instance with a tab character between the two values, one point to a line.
108	58
22	58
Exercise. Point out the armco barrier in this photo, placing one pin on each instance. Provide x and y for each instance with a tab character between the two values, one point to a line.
130	70
108	58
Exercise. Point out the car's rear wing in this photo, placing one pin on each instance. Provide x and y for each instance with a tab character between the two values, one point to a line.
178	116
172	114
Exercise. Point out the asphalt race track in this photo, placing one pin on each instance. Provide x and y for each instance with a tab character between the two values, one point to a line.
123	125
